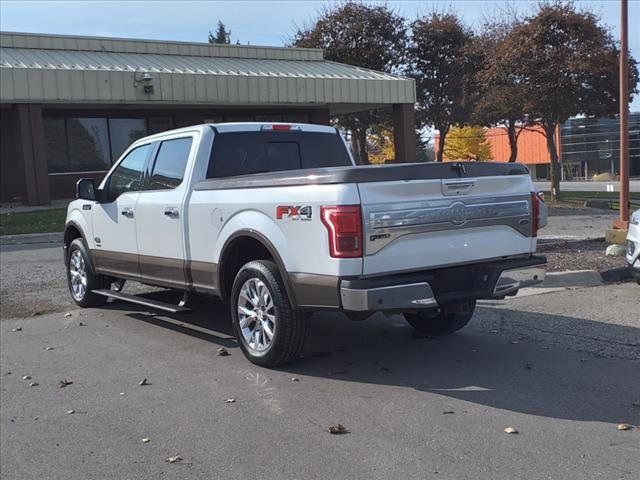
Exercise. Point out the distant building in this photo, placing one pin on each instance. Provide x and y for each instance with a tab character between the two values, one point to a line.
587	146
70	105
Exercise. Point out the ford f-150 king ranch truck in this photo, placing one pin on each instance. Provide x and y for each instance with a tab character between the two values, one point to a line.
277	220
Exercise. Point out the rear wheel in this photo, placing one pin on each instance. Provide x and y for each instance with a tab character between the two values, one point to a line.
269	331
81	278
448	319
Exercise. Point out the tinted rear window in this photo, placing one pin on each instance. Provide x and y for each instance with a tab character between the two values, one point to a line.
241	153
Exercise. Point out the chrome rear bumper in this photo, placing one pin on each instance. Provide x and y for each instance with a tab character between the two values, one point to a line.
510	281
395	297
428	290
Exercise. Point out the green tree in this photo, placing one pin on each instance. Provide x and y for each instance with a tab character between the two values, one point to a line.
222	35
567	64
368	36
467	143
442	61
501	99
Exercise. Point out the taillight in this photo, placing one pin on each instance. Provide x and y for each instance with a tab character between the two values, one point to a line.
344	223
535	213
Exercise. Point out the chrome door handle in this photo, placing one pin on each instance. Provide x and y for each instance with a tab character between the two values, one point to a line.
172	212
127	212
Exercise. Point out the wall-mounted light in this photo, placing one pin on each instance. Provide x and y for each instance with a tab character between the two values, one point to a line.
145	80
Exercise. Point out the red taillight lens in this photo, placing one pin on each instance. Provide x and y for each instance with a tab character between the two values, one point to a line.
535	213
344	223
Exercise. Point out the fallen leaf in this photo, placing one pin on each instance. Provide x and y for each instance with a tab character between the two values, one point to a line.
510	430
68	314
624	426
33	384
27	377
295	379
230	400
223	352
65	383
145	440
71	412
174	459
17	329
48	348
80	324
338	429
448	412
144	382
121	393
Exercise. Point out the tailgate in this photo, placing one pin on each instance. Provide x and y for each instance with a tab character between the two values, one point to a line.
430	223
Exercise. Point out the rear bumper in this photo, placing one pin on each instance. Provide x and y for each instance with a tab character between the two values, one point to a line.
429	289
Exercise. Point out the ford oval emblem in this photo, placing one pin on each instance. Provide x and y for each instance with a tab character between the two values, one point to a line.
458	213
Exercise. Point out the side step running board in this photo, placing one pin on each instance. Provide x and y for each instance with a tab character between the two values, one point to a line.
167	307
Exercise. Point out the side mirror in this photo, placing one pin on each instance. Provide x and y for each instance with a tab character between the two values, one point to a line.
86	189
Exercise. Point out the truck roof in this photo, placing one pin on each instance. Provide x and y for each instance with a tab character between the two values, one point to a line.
228	127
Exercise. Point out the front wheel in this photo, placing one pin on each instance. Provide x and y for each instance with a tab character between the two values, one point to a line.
81	278
448	319
269	331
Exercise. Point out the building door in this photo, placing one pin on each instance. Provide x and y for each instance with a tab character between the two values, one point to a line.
114	220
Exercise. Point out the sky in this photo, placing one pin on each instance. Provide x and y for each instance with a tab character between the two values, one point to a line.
255	22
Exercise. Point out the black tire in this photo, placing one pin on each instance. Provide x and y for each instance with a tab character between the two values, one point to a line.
290	326
450	318
93	280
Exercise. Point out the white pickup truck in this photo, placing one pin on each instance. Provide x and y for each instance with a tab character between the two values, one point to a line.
277	220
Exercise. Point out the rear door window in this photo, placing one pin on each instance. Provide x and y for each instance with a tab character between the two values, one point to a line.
242	153
170	164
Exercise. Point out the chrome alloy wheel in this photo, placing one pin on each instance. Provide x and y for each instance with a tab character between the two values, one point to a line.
256	314
78	275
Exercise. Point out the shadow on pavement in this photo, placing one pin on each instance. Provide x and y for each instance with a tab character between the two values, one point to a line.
471	365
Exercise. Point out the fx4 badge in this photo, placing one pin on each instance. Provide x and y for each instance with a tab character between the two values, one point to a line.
293	212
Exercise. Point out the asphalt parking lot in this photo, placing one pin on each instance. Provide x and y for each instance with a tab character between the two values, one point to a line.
562	368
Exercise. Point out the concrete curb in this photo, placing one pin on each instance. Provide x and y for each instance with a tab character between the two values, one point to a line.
574	279
32	238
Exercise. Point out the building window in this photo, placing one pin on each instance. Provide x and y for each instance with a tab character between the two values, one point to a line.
55	135
123	132
88	141
83	144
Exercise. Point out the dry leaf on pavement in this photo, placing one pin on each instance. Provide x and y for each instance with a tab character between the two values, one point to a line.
624	426
144	382
145	440
17	329
174	459
510	430
230	400
338	429
65	383
223	352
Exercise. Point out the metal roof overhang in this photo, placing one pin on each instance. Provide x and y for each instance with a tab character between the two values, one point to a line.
53	76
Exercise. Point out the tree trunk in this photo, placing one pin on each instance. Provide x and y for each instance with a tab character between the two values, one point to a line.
443	134
513	140
362	141
549	132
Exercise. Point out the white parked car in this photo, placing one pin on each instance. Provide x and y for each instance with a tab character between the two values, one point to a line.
633	245
277	219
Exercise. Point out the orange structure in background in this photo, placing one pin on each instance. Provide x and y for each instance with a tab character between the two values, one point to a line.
532	148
